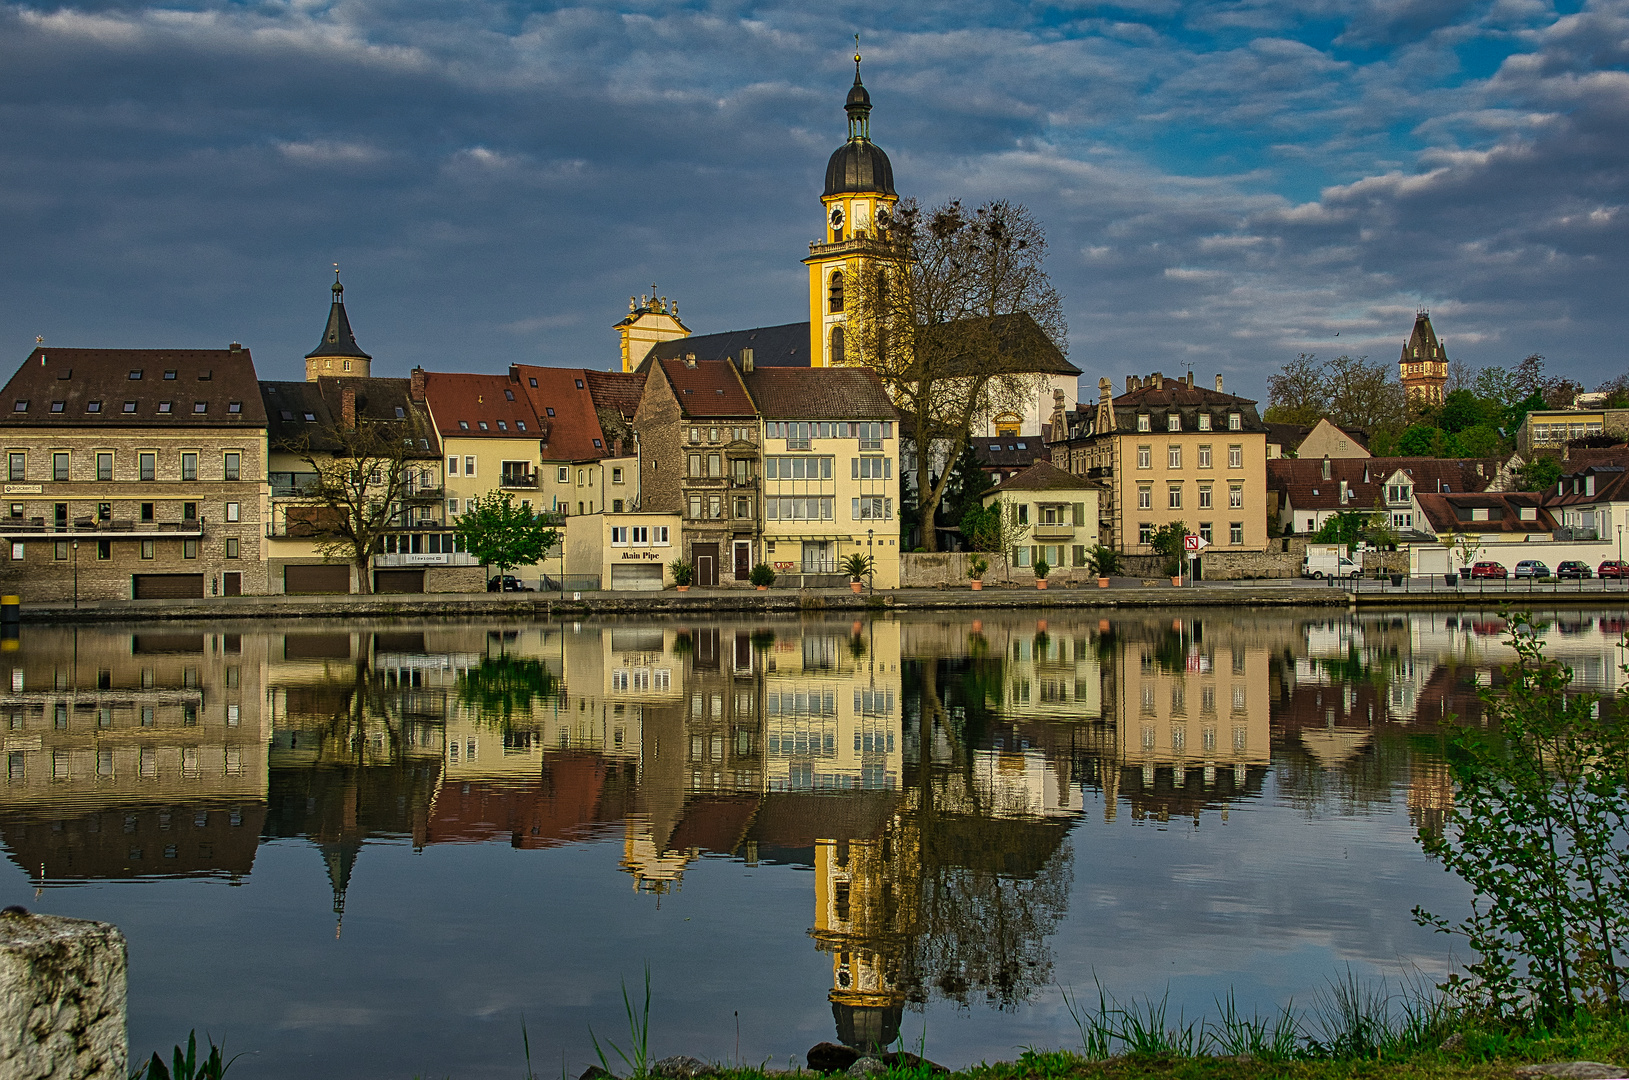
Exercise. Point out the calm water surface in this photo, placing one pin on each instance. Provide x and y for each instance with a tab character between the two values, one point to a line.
374	851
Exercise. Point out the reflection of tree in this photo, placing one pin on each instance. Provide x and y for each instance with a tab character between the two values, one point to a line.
500	687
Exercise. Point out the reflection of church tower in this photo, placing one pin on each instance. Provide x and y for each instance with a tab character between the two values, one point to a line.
858	199
337	353
866	903
340	858
1424	366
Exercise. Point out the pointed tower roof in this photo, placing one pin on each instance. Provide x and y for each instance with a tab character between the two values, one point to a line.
1422	343
859	165
337	339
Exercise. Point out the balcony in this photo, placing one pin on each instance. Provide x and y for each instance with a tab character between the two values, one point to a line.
425	558
1052	532
520	481
89	529
426	493
291	485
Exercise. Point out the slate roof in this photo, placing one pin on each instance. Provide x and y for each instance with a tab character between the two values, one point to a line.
819	394
58	387
1022	340
384	401
337	339
1300	480
1045	476
1611	485
1187	401
1451	513
463	403
709	388
572	432
786	345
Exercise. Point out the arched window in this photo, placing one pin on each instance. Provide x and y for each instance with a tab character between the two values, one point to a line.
837	345
835	298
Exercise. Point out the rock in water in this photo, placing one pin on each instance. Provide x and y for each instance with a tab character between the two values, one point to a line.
1574	1070
594	1072
832	1057
681	1067
866	1066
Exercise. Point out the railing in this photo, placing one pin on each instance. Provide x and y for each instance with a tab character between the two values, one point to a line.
426	558
131	530
426	493
517	480
1053	532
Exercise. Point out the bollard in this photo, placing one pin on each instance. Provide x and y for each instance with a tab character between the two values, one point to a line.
62	998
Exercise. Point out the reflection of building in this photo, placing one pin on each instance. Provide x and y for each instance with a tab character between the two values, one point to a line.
133	754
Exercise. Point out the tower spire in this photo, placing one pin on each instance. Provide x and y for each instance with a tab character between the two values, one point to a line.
858	105
337	353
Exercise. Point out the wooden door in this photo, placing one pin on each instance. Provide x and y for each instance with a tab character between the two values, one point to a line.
704	559
232	583
743	560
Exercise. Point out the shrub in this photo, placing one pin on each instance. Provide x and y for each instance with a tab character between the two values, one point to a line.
1104	560
1041	569
976	567
763	575
680	570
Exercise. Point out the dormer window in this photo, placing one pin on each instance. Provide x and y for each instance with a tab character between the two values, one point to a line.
21	406
311	418
503	425
579	384
1173	422
169	376
597	445
463	425
58	406
1235	422
1143	423
1204	421
533	382
286	415
135	374
234	407
200	406
548	411
93	406
204	376
482	425
400	412
164	408
508	395
130	406
520	425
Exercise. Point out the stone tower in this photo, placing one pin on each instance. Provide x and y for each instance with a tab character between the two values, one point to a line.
337	353
1424	366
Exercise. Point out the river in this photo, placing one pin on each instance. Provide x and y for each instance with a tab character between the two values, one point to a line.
379	850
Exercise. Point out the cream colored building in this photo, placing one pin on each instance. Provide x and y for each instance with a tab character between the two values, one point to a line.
1059	510
628	551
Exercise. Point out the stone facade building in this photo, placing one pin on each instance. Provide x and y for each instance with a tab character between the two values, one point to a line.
134	474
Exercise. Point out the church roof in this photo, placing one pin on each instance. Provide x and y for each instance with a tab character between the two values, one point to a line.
786	345
859	165
337	339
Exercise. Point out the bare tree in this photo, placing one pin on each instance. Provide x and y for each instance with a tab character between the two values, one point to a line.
1299	393
957	316
1365	395
1461	376
362	477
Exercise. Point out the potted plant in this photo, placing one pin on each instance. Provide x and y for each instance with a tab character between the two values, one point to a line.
976	566
681	574
1041	570
856	566
1105	562
762	575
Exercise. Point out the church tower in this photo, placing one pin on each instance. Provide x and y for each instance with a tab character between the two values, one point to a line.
337	354
1424	366
858	201
650	321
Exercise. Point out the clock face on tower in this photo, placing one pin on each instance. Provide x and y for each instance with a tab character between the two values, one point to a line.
837	217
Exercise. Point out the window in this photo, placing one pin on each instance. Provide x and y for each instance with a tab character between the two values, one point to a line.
93	406
508	395
616	475
452	507
234	407
563	474
189	466
20	406
58	406
463	425
452	466
1145	457
1173	422
482	425
1023	513
231	547
1204	496
1143	422
1402	521
18	467
692	465
149	465
1398	492
659	535
62	549
1234	422
1173	457
189	549
715	465
1235	496
1145	532
1145	498
104	466
641	535
619	536
147	549
1235	532
233	467
59	466
834	299
147	511
1175	497
1204	457
232	511
164	408
189	511
1204	421
1235	457
1205	532
864	509
469	466
200	407
130	406
871	468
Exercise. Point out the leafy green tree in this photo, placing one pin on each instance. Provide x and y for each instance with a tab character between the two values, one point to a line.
1298	394
1168	541
1462	409
1422	440
1344	527
362	475
1539	830
505	534
1616	391
1540	474
1479	440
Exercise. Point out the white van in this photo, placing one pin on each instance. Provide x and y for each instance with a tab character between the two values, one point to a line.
1327	560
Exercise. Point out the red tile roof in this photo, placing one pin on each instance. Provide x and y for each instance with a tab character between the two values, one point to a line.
819	394
709	388
1301	481
1449	513
461	403
617	390
573	431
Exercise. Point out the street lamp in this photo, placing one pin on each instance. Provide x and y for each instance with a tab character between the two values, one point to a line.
871	563
76	575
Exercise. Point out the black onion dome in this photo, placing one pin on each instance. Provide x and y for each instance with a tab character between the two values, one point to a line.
859	166
858	95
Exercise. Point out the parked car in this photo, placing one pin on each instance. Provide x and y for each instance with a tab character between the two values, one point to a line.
1532	568
1326	561
1613	568
507	583
1489	570
1572	568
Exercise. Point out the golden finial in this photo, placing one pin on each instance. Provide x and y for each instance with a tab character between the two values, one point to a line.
856	55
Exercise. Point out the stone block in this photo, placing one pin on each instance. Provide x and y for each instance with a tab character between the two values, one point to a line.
62	998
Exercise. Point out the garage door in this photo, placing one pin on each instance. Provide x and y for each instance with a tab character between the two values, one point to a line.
317	578
169	587
638	576
398	581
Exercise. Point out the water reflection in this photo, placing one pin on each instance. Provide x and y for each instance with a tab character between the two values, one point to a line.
928	771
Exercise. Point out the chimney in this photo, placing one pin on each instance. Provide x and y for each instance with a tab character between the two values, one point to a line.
690	360
1131	383
1219	389
234	347
616	447
746	361
417	392
1157	380
1326	466
347	408
1190	380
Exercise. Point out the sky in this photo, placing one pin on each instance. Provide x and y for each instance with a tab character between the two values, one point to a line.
1223	184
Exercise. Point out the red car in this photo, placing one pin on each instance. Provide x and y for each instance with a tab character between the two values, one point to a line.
1613	568
1491	569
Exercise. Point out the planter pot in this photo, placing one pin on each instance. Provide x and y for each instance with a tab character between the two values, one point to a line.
1451	579
761	588
976	584
855	587
1040	583
682	588
1176	579
1102	583
1397	581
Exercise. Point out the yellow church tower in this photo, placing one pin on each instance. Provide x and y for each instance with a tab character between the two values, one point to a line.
858	202
650	321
